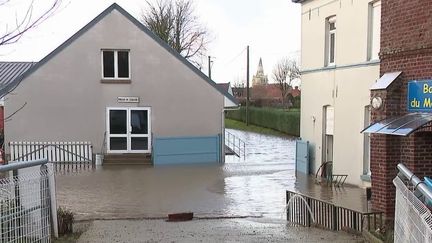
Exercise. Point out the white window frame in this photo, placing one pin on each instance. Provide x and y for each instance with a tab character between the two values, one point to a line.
371	55
116	77
329	33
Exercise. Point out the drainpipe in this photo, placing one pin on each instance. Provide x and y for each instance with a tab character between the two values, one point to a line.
223	130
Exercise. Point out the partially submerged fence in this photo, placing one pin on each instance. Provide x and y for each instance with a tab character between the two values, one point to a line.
27	202
308	211
56	152
66	156
413	218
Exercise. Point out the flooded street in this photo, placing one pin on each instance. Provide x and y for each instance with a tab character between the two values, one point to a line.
240	201
251	186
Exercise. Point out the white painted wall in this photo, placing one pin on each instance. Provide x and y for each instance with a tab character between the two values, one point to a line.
347	89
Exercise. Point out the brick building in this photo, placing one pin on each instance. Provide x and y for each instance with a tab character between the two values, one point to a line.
406	55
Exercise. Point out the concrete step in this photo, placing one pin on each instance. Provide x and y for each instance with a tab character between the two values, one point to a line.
127	159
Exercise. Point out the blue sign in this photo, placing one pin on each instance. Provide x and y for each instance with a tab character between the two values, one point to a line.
419	96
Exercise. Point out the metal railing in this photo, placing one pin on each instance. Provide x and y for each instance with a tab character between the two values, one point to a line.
413	218
27	202
325	171
308	211
235	144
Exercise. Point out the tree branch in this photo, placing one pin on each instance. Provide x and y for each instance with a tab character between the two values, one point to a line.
27	22
285	71
175	23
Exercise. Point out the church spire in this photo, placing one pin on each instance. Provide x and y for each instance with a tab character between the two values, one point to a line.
260	78
260	67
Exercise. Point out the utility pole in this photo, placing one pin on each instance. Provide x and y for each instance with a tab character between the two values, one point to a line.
209	67
247	86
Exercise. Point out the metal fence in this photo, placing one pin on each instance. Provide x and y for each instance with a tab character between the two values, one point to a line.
413	219
308	211
27	202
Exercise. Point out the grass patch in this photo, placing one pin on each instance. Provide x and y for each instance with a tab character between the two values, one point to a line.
238	125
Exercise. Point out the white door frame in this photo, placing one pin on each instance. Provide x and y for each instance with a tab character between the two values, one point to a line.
128	134
148	135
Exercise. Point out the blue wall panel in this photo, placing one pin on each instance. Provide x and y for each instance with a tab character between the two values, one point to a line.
186	150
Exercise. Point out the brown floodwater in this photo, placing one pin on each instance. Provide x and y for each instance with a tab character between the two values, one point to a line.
250	186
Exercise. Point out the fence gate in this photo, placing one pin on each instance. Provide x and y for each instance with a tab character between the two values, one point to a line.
56	152
310	211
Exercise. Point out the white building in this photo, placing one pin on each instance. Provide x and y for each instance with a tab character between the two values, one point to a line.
340	45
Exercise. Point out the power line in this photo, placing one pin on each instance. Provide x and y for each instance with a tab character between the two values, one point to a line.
234	58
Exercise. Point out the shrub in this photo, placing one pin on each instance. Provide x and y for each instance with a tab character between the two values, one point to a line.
65	219
286	121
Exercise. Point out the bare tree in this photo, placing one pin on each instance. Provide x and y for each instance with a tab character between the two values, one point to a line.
284	73
23	23
175	23
29	20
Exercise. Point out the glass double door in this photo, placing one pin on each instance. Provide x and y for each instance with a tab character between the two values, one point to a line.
128	130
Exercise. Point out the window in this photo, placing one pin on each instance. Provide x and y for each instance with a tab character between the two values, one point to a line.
330	40
115	64
374	30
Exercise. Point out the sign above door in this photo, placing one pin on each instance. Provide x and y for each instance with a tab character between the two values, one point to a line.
128	99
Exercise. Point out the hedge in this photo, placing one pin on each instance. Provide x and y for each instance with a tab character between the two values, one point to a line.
286	121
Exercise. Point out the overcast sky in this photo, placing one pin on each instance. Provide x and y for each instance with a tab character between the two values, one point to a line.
270	27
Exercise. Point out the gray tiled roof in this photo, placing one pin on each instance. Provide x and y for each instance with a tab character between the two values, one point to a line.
10	71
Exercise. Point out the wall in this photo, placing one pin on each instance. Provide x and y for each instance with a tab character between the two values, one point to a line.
406	45
66	100
318	90
351	33
344	86
186	150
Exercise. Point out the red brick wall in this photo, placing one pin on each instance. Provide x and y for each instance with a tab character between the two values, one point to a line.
406	45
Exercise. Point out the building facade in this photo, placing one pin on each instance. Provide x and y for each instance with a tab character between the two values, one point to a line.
339	60
406	49
115	83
